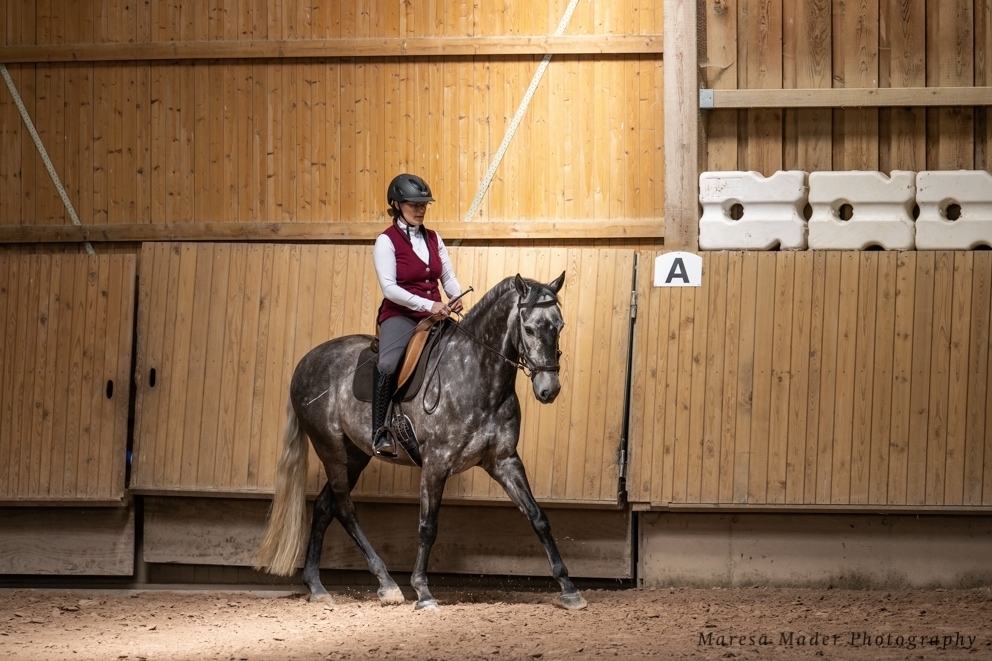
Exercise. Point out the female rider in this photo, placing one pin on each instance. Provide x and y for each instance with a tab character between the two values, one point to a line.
409	261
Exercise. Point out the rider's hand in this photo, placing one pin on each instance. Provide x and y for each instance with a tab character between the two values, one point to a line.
440	309
456	306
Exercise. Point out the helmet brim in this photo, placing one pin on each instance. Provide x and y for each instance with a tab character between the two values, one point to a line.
424	198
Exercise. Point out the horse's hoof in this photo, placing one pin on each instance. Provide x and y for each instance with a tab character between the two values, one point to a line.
427	605
391	596
573	602
322	597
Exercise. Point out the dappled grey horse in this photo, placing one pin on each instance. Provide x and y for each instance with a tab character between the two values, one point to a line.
471	418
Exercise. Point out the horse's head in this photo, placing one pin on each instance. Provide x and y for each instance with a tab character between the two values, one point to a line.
538	323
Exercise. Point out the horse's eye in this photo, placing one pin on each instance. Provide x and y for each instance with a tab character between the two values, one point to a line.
529	331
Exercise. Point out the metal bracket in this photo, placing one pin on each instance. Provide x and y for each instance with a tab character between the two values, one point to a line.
706	99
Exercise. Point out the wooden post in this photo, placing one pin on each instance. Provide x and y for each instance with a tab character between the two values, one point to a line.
681	125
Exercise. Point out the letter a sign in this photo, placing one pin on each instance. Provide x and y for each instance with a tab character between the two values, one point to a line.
678	269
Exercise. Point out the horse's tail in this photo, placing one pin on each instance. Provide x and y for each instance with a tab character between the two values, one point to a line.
287	517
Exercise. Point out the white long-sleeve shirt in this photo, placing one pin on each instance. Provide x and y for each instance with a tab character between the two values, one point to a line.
384	258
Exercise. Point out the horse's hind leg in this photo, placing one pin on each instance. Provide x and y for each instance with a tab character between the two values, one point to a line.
322	517
509	473
333	502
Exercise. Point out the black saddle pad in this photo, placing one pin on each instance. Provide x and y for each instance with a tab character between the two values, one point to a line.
362	384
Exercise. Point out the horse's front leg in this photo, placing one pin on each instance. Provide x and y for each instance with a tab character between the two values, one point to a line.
431	487
509	473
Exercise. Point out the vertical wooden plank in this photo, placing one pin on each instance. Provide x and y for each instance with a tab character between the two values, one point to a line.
252	332
695	429
177	364
828	377
217	356
950	62
27	314
902	377
919	422
747	342
764	350
905	131
840	489
780	387
940	355
856	61
40	448
672	316
642	441
864	361
160	272
113	466
795	459
761	22
234	309
8	302
278	362
88	442
720	72
882	390
817	321
814	69
683	394
267	298
728	431
193	375
978	378
963	268
716	345
681	125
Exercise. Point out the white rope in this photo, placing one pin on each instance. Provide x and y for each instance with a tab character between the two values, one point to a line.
515	122
41	150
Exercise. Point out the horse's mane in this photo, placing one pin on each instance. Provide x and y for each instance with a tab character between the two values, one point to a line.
491	297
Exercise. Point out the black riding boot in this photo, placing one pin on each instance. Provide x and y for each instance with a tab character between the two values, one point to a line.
383	386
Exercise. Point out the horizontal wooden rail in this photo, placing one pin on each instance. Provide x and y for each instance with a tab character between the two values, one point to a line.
335	48
846	98
652	228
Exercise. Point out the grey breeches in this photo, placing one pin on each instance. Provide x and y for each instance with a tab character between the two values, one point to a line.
394	335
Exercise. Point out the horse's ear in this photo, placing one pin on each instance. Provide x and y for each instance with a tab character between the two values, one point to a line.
521	286
558	283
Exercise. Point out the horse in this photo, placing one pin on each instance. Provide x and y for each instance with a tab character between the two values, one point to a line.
474	420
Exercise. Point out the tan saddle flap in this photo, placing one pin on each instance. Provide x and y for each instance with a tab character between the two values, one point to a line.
416	347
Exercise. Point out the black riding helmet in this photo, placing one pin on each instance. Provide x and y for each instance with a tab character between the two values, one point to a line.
408	188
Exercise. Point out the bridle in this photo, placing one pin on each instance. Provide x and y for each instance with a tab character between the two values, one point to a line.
524	363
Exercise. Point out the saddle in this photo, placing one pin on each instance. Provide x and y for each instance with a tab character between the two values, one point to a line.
412	369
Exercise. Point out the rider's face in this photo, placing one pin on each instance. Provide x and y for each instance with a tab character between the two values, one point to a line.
414	212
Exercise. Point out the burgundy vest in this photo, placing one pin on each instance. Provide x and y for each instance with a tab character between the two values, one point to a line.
412	274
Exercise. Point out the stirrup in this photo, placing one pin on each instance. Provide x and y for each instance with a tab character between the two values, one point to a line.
382	445
403	432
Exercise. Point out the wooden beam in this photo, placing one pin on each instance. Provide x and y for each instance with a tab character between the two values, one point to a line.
652	228
335	48
847	98
681	125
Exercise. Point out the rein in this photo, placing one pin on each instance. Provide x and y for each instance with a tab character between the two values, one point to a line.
523	362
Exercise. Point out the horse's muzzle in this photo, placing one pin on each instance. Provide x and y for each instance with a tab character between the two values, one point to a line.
546	386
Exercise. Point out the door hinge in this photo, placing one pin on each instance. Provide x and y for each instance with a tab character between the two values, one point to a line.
633	305
622	460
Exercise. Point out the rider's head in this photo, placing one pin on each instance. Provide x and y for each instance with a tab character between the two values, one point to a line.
412	190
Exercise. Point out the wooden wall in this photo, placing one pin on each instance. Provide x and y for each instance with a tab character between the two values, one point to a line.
816	379
223	326
810	44
317	139
65	377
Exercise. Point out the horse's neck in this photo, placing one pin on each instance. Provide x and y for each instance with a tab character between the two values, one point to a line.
492	328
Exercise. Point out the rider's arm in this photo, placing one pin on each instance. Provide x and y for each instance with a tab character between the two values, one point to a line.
448	280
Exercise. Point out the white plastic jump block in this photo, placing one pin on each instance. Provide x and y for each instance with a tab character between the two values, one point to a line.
854	210
955	209
746	211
